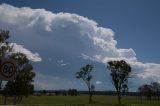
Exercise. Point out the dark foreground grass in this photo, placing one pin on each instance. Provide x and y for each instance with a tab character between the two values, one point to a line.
83	101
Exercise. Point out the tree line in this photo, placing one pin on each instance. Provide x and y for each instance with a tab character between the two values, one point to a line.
150	90
69	92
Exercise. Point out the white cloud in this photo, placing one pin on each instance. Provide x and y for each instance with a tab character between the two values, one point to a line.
63	64
69	36
98	82
128	54
60	61
84	56
35	57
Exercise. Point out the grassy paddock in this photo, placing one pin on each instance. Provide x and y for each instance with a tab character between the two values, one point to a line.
83	101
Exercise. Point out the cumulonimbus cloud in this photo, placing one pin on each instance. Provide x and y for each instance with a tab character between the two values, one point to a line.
70	36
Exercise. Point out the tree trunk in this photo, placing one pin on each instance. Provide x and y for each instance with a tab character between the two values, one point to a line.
119	98
15	100
20	99
158	95
90	98
5	99
89	94
0	84
141	97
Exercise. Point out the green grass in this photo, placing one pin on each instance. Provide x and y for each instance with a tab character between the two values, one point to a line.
83	101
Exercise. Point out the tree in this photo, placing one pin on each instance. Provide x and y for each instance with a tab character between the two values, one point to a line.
22	85
156	88
4	45
149	90
72	92
120	71
44	92
146	90
57	93
85	75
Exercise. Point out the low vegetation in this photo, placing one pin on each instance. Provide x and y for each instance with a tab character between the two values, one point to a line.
82	100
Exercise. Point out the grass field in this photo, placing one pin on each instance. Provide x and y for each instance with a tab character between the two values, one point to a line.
83	101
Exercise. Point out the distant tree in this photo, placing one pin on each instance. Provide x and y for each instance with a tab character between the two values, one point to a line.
72	92
44	92
156	88
64	93
75	92
120	71
146	90
57	92
149	90
22	85
85	75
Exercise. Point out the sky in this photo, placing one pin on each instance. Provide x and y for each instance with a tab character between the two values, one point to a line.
60	37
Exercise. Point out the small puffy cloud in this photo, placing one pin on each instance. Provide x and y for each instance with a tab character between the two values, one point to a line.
60	61
35	57
63	65
71	37
98	82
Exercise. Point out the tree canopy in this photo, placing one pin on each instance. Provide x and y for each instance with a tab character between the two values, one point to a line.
4	44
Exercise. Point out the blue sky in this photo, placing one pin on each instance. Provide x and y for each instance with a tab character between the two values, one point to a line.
134	26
